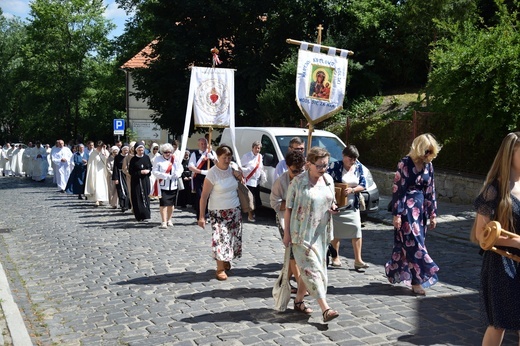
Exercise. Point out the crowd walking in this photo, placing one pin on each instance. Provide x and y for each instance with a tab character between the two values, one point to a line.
129	176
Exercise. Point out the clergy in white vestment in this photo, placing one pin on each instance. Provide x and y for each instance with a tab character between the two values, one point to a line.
49	161
16	161
8	157
27	160
96	184
61	156
5	165
39	161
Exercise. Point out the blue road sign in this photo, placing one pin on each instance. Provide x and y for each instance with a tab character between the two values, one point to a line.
119	126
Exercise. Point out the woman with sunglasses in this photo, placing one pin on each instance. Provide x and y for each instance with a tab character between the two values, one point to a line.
347	224
413	203
308	227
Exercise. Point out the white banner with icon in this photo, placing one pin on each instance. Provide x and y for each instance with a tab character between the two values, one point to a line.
321	80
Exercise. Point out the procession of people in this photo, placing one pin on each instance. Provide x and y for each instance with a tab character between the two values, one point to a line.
127	176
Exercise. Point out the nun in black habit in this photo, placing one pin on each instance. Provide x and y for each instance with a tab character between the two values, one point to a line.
140	168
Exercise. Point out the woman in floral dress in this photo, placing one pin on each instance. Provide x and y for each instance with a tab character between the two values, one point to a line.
413	203
308	227
220	186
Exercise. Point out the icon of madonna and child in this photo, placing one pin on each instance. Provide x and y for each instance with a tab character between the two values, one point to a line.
321	82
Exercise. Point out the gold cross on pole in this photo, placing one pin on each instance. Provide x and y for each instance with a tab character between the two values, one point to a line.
320	28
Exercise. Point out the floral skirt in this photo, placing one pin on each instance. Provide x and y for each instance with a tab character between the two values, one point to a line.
226	243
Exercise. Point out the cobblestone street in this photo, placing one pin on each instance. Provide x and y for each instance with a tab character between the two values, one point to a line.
93	276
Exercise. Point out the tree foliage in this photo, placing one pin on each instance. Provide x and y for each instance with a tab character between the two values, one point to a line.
476	76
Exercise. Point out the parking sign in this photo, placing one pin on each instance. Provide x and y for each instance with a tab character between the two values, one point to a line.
119	126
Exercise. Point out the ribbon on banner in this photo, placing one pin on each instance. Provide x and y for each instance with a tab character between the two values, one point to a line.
320	82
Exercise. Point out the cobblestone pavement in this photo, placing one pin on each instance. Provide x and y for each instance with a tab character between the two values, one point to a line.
93	276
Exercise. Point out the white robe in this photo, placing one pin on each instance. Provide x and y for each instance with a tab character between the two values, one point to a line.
40	165
4	163
27	160
17	162
9	159
50	165
61	168
96	184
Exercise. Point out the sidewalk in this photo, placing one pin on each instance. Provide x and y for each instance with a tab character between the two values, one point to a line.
453	220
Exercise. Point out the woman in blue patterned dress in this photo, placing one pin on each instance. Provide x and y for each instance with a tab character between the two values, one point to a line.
499	200
413	203
308	227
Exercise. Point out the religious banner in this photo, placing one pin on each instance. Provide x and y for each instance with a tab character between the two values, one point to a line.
211	97
213	93
320	82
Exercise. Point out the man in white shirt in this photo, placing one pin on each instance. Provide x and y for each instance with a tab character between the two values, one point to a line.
200	161
253	170
296	143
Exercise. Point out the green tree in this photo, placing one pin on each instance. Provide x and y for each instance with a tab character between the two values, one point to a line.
250	35
12	37
475	79
65	52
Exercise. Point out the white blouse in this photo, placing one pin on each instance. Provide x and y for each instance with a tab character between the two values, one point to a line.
224	194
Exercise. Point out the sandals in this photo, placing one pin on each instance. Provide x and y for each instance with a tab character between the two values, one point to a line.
329	315
227	266
335	262
301	307
418	290
293	289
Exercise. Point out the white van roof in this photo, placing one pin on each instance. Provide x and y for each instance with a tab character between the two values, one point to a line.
288	131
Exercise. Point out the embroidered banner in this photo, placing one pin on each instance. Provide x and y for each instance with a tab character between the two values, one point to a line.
320	82
213	92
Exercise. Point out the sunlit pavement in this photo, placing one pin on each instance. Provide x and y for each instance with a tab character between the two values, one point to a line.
93	276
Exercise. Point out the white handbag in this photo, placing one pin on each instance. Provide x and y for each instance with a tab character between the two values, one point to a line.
282	287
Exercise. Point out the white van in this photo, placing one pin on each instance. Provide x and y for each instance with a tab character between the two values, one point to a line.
275	141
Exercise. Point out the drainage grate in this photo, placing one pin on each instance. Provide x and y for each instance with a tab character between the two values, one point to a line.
5	230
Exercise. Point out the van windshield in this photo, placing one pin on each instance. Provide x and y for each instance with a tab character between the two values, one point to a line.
334	146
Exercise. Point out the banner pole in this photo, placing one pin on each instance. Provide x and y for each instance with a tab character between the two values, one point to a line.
311	45
209	143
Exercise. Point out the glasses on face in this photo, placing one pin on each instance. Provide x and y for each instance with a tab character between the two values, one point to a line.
428	152
167	152
296	171
297	148
154	149
320	167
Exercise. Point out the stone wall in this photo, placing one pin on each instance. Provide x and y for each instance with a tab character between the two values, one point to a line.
450	187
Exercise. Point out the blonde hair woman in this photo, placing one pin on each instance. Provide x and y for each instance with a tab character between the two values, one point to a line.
499	200
413	203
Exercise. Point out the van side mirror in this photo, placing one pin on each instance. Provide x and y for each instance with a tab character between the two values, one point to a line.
268	160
